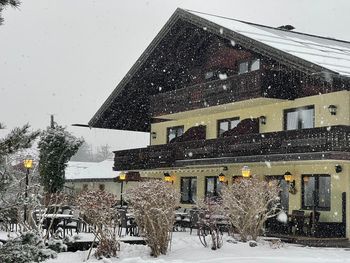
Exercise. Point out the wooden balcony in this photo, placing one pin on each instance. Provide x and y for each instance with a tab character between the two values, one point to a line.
217	92
308	144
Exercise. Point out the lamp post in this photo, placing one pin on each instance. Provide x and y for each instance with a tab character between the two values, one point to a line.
28	164
122	178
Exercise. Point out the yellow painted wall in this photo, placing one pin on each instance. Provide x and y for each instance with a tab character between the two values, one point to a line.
340	182
273	112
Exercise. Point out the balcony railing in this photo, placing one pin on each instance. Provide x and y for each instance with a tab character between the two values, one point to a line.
296	145
217	92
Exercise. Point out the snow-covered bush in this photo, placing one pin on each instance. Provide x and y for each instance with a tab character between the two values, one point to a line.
29	247
248	203
154	203
97	208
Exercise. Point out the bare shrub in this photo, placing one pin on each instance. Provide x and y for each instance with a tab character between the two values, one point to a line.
248	203
154	203
97	207
211	213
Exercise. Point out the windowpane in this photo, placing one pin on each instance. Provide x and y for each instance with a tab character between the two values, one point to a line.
255	65
309	188
307	118
223	126
292	120
243	67
194	190
210	190
185	189
175	132
188	190
234	123
284	194
324	191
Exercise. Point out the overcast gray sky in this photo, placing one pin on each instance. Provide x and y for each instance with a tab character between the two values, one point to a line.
65	57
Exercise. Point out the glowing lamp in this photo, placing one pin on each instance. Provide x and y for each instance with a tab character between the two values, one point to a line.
28	163
288	176
222	178
245	172
122	176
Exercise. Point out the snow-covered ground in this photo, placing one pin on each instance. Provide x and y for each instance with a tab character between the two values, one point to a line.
187	248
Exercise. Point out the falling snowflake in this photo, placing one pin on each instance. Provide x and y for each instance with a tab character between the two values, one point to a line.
223	76
233	43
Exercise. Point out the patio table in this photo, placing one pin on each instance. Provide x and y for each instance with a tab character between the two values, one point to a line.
56	220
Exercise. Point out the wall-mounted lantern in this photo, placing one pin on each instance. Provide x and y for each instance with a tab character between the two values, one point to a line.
262	120
222	178
332	109
245	171
154	135
169	178
288	177
338	168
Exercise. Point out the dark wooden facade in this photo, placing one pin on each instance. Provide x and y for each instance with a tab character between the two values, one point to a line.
308	144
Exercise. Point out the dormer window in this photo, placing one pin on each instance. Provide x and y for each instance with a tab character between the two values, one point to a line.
247	66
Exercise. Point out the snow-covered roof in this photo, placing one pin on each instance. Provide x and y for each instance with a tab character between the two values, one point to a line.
328	53
90	170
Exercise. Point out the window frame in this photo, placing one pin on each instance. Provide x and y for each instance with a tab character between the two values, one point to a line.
298	109
317	185
250	62
229	124
190	193
174	127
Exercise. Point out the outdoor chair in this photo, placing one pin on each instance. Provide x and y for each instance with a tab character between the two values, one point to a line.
296	224
72	224
310	224
194	220
125	223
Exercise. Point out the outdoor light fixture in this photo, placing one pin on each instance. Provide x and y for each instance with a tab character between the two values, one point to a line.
288	177
222	178
245	172
338	168
28	164
167	178
154	135
332	109
262	120
122	176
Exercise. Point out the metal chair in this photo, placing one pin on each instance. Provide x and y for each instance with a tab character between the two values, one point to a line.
129	225
297	222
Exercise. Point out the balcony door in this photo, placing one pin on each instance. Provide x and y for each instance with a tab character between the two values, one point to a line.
284	193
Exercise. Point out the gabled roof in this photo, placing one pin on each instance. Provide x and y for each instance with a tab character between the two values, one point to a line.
307	53
328	53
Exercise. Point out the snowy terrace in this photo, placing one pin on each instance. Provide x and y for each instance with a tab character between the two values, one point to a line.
307	144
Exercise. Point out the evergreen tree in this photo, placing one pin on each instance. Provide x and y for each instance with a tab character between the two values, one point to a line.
56	147
4	3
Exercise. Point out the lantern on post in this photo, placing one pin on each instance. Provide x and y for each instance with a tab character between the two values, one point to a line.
122	178
28	164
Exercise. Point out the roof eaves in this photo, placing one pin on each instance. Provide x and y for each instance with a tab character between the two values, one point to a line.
172	20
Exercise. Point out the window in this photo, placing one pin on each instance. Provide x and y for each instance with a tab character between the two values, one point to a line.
300	118
188	190
174	132
248	66
316	191
227	124
212	186
85	187
284	190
